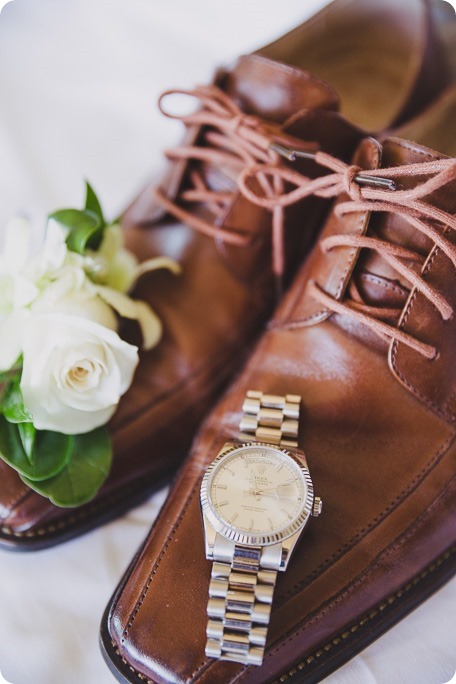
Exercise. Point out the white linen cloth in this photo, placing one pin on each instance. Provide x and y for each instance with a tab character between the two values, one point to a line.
79	81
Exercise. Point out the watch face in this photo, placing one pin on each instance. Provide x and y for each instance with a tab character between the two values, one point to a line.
257	494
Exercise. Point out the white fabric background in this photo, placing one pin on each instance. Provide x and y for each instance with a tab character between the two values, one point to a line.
78	85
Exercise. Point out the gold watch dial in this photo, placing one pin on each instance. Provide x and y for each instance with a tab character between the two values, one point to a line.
258	490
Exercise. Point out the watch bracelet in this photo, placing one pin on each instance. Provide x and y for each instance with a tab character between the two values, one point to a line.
271	418
239	607
241	590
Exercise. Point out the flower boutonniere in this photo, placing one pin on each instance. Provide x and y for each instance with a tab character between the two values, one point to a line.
63	365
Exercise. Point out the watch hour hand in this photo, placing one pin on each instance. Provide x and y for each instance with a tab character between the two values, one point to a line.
253	491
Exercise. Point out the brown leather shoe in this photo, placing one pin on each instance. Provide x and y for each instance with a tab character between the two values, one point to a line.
366	335
381	61
213	312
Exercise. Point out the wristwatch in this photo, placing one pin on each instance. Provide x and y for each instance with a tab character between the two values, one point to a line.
256	498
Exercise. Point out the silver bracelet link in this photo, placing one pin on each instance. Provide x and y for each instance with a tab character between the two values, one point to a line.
240	598
271	418
243	578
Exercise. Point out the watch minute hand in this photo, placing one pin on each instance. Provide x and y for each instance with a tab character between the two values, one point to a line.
272	492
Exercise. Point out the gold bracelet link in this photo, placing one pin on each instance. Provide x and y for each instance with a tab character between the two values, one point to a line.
243	580
239	608
271	418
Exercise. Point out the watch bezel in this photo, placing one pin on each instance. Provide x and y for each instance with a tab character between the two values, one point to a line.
242	537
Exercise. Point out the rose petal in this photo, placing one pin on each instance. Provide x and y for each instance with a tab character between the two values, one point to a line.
120	263
112	242
112	383
122	271
55	342
11	333
154	264
24	292
54	249
149	322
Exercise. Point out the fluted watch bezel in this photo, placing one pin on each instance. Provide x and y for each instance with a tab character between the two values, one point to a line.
240	536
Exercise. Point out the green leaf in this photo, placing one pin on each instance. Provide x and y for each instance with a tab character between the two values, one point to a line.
85	473
51	452
85	228
27	433
92	203
14	373
8	376
13	405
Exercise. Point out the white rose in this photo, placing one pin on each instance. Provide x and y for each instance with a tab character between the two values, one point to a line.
74	372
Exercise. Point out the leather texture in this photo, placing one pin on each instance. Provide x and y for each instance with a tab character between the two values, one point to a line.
378	429
215	310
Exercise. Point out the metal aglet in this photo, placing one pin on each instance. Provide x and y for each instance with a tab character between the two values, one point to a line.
375	181
290	153
293	154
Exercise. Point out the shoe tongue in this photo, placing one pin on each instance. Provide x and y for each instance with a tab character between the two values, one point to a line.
271	90
378	282
274	90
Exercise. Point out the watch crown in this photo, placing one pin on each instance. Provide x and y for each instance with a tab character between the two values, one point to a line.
317	507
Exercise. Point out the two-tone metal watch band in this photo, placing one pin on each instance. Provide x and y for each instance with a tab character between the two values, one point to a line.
271	418
240	598
243	578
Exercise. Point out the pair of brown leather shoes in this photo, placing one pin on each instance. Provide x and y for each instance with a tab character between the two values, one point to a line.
365	334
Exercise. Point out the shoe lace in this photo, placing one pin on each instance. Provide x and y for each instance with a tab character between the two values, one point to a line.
383	196
232	140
